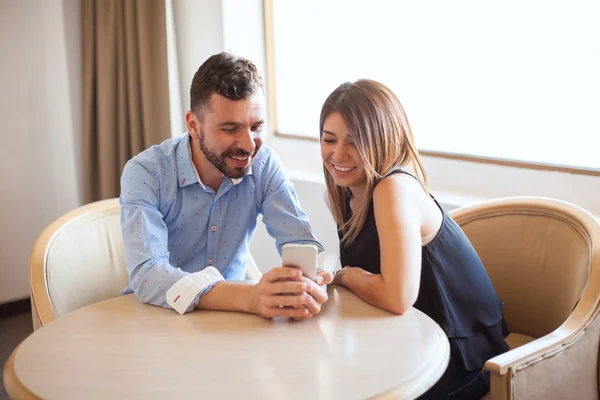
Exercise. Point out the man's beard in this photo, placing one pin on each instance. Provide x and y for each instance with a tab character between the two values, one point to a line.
219	160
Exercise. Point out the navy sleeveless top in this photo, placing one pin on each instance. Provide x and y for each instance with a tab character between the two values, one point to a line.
455	289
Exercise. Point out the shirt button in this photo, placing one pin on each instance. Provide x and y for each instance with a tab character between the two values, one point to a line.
210	262
213	228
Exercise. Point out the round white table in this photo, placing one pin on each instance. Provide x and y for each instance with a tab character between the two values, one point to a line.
120	348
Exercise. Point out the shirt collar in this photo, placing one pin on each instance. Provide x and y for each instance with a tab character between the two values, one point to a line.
186	174
186	170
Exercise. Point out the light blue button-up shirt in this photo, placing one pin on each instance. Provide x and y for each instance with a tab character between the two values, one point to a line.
173	225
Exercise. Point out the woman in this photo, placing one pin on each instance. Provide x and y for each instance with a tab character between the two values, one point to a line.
398	247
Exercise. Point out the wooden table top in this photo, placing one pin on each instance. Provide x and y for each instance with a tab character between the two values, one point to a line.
121	348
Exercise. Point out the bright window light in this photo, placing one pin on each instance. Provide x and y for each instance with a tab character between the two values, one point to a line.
516	80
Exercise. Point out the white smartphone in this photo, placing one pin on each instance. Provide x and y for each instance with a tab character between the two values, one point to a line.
303	256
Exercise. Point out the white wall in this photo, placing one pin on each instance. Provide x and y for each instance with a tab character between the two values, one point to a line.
39	120
243	30
199	34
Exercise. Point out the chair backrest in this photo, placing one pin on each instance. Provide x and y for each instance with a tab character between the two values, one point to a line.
78	260
538	254
252	271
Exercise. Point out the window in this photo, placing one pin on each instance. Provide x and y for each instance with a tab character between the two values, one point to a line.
512	80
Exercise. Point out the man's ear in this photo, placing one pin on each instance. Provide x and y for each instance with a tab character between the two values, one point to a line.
194	125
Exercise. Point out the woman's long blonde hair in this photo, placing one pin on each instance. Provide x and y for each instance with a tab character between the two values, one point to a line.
378	127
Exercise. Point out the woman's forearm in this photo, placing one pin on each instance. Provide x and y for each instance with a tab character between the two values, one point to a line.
372	289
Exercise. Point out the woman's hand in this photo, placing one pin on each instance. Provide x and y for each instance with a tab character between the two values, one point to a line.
342	275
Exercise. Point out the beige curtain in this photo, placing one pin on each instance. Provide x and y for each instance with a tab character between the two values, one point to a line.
125	88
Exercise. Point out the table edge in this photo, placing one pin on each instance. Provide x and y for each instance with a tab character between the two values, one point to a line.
397	393
15	389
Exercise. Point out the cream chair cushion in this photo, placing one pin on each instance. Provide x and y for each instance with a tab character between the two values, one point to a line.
85	262
515	340
538	262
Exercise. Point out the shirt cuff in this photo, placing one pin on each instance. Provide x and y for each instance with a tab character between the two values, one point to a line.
186	292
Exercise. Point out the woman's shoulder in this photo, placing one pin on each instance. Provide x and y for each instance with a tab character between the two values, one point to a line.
403	194
398	184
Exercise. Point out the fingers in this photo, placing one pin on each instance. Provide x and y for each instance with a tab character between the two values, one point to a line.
280	273
296	313
287	287
308	298
324	278
287	300
317	292
284	292
312	305
304	303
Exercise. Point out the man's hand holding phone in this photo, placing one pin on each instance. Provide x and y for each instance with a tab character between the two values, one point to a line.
305	257
283	292
297	289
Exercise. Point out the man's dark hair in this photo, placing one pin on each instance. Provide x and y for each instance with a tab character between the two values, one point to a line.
226	74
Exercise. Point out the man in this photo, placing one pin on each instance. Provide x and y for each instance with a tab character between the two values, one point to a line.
189	206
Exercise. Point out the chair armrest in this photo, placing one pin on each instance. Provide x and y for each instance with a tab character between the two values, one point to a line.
585	314
532	352
567	373
562	364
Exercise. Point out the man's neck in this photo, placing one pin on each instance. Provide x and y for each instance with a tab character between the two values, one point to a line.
209	174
